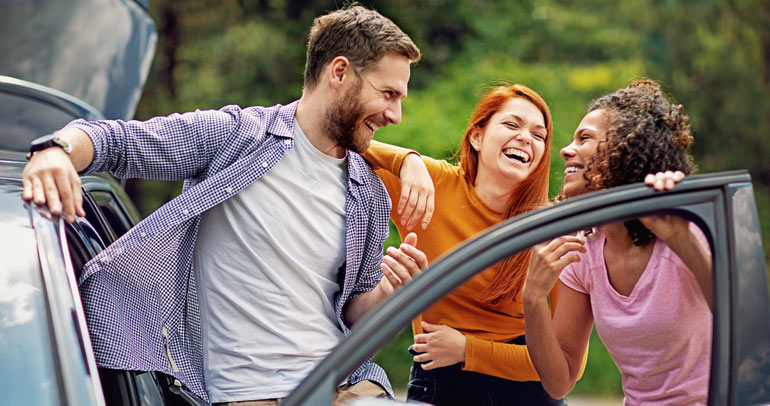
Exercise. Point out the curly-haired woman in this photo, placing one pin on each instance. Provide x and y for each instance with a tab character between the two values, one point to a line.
470	345
645	283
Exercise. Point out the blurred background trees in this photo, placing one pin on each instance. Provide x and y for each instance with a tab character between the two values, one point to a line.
713	56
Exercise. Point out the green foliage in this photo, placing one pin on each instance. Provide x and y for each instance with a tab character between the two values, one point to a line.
396	360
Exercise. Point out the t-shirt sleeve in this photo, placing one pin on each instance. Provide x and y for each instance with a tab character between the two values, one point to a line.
575	276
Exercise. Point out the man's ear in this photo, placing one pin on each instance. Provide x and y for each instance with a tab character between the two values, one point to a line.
338	69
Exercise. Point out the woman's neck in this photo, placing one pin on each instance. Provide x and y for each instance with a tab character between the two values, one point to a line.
493	194
616	237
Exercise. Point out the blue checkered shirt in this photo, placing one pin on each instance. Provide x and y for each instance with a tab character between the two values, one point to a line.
139	294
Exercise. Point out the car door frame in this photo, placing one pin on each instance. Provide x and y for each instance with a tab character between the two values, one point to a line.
704	199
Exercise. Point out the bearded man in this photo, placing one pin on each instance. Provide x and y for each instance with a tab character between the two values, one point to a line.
241	285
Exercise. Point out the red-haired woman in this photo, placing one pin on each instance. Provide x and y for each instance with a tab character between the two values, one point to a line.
470	345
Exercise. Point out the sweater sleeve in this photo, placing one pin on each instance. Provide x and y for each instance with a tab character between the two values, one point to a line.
509	361
503	360
386	157
386	161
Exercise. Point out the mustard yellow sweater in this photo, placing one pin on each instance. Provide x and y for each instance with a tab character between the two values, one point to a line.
459	215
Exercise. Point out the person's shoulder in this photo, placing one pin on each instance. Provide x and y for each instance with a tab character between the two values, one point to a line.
360	171
594	255
277	119
443	171
279	110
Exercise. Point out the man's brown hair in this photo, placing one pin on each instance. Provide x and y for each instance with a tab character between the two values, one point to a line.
359	34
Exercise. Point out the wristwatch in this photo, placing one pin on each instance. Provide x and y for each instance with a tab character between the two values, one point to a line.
48	141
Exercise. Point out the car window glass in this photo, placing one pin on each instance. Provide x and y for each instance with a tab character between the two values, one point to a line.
23	119
26	355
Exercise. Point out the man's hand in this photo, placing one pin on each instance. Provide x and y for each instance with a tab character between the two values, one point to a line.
439	346
417	192
50	177
402	264
399	266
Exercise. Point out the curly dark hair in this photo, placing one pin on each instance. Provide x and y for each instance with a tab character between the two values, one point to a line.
646	133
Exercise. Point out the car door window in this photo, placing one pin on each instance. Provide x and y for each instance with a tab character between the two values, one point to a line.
703	200
652	338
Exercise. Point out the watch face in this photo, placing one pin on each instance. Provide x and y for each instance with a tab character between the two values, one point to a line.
48	141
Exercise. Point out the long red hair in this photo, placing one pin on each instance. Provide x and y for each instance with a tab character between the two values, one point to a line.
530	194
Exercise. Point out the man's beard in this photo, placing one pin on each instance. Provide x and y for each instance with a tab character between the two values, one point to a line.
342	118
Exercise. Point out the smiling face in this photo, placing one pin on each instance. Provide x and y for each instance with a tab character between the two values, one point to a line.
591	131
511	144
370	101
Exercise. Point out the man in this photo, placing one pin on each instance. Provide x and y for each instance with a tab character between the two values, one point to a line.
274	248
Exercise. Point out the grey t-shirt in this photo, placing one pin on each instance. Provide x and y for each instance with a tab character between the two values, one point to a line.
266	265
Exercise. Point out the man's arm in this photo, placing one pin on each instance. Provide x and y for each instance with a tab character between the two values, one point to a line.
174	147
51	175
399	266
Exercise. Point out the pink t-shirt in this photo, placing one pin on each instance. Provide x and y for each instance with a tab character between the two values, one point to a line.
660	335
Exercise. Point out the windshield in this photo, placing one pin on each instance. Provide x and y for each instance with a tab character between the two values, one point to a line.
27	371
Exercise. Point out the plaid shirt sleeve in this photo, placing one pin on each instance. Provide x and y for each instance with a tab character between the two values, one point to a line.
174	147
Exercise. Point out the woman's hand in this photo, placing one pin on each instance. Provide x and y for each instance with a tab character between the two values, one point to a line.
417	192
663	180
439	345
666	227
547	261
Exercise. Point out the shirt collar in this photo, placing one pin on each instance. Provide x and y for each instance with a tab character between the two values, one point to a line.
283	126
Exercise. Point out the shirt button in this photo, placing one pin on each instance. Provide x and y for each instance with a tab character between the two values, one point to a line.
143	234
105	259
287	142
228	190
185	212
264	164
